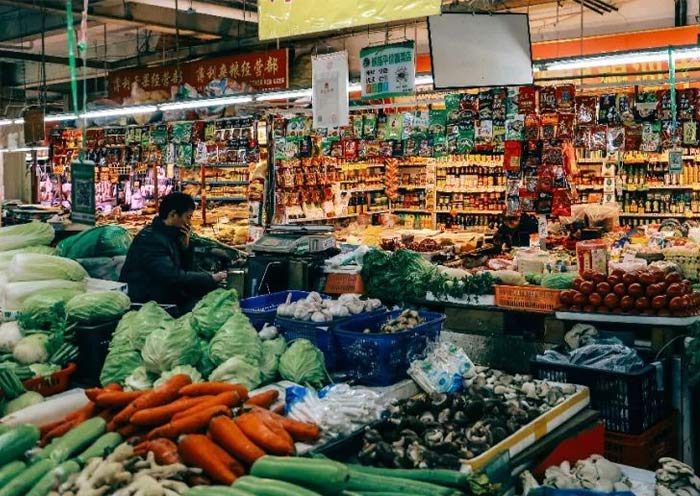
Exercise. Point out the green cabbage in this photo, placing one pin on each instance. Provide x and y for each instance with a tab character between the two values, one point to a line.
24	235
212	311
180	369
119	364
135	326
17	292
139	380
22	401
205	365
167	348
34	348
304	364
98	306
102	241
237	337
39	267
7	256
236	371
42	312
272	350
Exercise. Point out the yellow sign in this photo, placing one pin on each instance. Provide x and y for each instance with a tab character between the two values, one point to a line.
284	18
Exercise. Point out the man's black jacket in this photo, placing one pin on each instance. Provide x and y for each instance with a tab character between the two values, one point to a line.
157	268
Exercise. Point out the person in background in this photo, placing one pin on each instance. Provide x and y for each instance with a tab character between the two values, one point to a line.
158	266
515	230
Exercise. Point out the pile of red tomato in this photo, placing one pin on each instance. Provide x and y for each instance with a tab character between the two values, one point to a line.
646	292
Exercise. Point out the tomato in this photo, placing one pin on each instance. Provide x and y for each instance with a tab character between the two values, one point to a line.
566	297
603	288
595	299
577	283
587	275
673	277
645	277
620	289
635	289
687	286
652	290
675	304
613	279
629	278
611	300
586	287
675	289
626	303
618	272
579	299
658	274
658	302
685	302
598	277
642	303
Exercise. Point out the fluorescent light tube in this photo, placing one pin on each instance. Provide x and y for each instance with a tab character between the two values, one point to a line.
25	149
59	117
619	59
208	102
116	112
5	122
283	95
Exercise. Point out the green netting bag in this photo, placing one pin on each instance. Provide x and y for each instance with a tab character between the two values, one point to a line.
102	241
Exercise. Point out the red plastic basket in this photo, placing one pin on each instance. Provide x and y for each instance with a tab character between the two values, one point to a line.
54	384
643	450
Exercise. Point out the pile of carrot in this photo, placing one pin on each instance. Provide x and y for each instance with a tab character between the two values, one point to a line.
194	423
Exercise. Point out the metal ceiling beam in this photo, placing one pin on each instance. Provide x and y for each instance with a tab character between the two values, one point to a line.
29	26
186	29
50	59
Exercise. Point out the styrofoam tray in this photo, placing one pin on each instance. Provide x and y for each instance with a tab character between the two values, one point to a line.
628	319
527	435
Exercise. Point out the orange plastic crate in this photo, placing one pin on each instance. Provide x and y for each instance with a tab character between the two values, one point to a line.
340	283
643	450
527	298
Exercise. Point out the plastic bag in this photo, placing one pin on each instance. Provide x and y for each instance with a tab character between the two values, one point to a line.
105	268
442	369
102	241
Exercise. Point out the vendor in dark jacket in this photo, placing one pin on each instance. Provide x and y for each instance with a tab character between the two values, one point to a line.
158	266
515	231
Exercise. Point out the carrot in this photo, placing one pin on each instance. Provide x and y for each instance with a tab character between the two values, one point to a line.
117	399
93	393
190	424
107	415
164	450
161	414
58	431
300	431
113	386
213	388
128	430
275	426
46	428
264	399
229	399
257	431
229	436
160	396
199	451
279	409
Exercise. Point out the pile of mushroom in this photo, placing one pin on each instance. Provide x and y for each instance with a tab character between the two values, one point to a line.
408	319
441	430
674	478
317	309
595	472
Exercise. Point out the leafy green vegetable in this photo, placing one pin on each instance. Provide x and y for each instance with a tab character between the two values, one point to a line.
96	307
23	401
34	348
7	256
205	365
533	278
24	235
237	337
102	241
472	285
562	280
17	292
39	267
235	370
42	312
304	364
396	276
272	350
167	348
139	380
44	369
10	335
180	369
212	311
135	326
119	364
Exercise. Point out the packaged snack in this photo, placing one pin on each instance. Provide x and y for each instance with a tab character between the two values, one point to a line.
381	125
651	137
515	127
625	108
633	137
512	102
670	136
599	138
484	136
561	203
386	148
350	149
565	129
369	126
533	154
452	107
468	107
437	122
552	153
399	146
565	95
421	124
607	109
586	110
499	104
532	127
664	106
527	100
616	139
646	106
543	203
690	133
499	136
582	136
512	155
408	123
548	99
485	105
527	201
513	183
686	104
465	139
550	123
545	179
513	205
394	125
357	125
439	145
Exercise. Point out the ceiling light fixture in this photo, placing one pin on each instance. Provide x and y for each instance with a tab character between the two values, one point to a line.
25	149
283	95
204	103
117	112
618	59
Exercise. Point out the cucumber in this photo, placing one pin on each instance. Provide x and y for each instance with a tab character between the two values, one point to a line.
362	482
20	485
441	477
100	448
54	477
9	471
324	476
270	487
74	441
217	491
14	443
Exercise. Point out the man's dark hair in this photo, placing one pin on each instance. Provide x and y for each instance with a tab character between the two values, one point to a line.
180	202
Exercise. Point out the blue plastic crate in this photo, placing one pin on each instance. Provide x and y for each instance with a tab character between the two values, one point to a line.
262	309
382	359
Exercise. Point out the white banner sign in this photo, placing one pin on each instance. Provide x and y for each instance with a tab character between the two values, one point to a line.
330	90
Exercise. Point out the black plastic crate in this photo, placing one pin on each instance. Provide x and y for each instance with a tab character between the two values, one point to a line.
93	346
628	403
